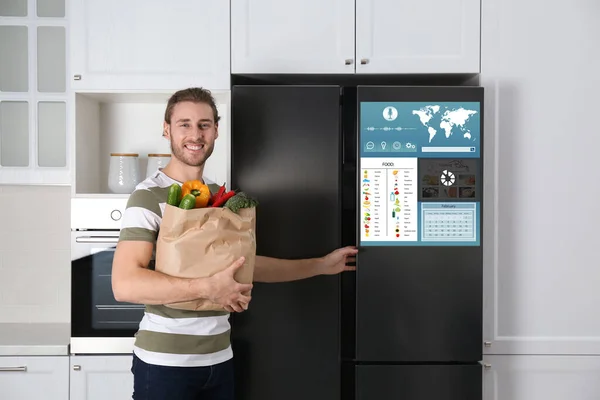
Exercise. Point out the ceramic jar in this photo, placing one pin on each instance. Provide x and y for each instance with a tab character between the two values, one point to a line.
123	172
156	161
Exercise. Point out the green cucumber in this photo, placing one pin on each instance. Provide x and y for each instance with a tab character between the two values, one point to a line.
188	202
174	196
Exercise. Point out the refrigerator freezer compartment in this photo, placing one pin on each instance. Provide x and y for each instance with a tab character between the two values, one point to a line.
419	382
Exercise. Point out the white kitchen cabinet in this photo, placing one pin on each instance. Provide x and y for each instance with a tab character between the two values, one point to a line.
149	44
355	36
514	377
540	225
417	36
34	97
34	377
101	377
287	36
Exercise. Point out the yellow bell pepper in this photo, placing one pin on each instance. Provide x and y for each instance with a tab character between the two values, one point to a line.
198	190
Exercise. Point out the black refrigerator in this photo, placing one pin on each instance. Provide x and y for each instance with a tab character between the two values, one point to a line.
396	171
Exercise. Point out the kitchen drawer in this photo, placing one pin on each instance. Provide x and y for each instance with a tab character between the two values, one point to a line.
419	382
34	378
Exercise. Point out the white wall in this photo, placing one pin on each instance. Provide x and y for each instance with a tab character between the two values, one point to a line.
35	257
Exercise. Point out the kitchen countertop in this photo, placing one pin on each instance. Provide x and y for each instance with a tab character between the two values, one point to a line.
35	339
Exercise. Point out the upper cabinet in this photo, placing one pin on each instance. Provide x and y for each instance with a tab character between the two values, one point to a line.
417	36
149	44
34	95
355	36
290	36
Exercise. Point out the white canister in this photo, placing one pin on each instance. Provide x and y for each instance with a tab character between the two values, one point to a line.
156	161
123	172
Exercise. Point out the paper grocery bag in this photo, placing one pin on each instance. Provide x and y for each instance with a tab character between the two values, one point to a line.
200	242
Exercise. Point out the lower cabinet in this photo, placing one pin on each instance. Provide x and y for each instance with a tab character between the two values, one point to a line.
541	377
43	377
101	377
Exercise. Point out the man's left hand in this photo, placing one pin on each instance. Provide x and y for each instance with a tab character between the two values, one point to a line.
337	261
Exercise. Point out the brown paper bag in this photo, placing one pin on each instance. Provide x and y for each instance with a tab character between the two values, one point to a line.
200	242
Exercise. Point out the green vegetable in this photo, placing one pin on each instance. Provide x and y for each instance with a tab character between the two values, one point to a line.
174	196
188	202
239	201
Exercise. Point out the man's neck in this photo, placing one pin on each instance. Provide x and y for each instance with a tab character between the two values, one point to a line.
180	172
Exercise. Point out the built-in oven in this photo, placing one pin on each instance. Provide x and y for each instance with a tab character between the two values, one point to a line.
99	323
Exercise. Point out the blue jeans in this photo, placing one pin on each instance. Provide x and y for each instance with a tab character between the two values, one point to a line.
156	382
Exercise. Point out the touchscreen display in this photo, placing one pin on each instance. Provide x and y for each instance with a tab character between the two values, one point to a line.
420	173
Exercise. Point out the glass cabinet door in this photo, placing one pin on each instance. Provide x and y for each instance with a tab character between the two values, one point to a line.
34	95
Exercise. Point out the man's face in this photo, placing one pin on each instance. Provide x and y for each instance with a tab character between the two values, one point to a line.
192	132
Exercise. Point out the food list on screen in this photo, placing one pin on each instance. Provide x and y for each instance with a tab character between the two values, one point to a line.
388	190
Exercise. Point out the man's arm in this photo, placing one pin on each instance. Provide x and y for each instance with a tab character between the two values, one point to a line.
133	282
268	269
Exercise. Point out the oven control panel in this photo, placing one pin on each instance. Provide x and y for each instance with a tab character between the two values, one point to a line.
97	213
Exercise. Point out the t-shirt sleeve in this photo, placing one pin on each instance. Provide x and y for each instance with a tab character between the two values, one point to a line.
142	216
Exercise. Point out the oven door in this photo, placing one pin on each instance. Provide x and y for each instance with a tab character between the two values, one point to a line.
95	314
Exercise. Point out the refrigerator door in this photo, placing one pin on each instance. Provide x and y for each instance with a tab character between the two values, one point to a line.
286	151
419	269
419	382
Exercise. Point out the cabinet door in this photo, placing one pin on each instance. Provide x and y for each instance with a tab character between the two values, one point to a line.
149	44
541	377
34	378
34	97
101	377
409	36
290	36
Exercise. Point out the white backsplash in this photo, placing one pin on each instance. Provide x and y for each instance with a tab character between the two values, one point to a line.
35	254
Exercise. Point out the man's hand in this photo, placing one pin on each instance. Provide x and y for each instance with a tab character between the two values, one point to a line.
226	291
337	261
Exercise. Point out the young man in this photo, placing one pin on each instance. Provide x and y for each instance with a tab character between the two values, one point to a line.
181	354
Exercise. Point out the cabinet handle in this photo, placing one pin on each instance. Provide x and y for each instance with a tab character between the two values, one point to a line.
487	344
77	77
76	367
364	61
349	61
13	369
487	366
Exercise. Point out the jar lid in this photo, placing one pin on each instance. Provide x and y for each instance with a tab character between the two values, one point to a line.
159	155
124	154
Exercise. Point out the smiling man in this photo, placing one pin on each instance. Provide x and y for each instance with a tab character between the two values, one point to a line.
182	354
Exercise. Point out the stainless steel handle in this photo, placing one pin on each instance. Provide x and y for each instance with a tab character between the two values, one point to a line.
97	239
364	61
77	77
76	367
349	61
487	344
487	366
13	369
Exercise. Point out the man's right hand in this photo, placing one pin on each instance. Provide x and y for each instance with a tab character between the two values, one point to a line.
226	291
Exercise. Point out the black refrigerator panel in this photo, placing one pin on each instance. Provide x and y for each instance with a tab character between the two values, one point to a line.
419	382
419	269
286	151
